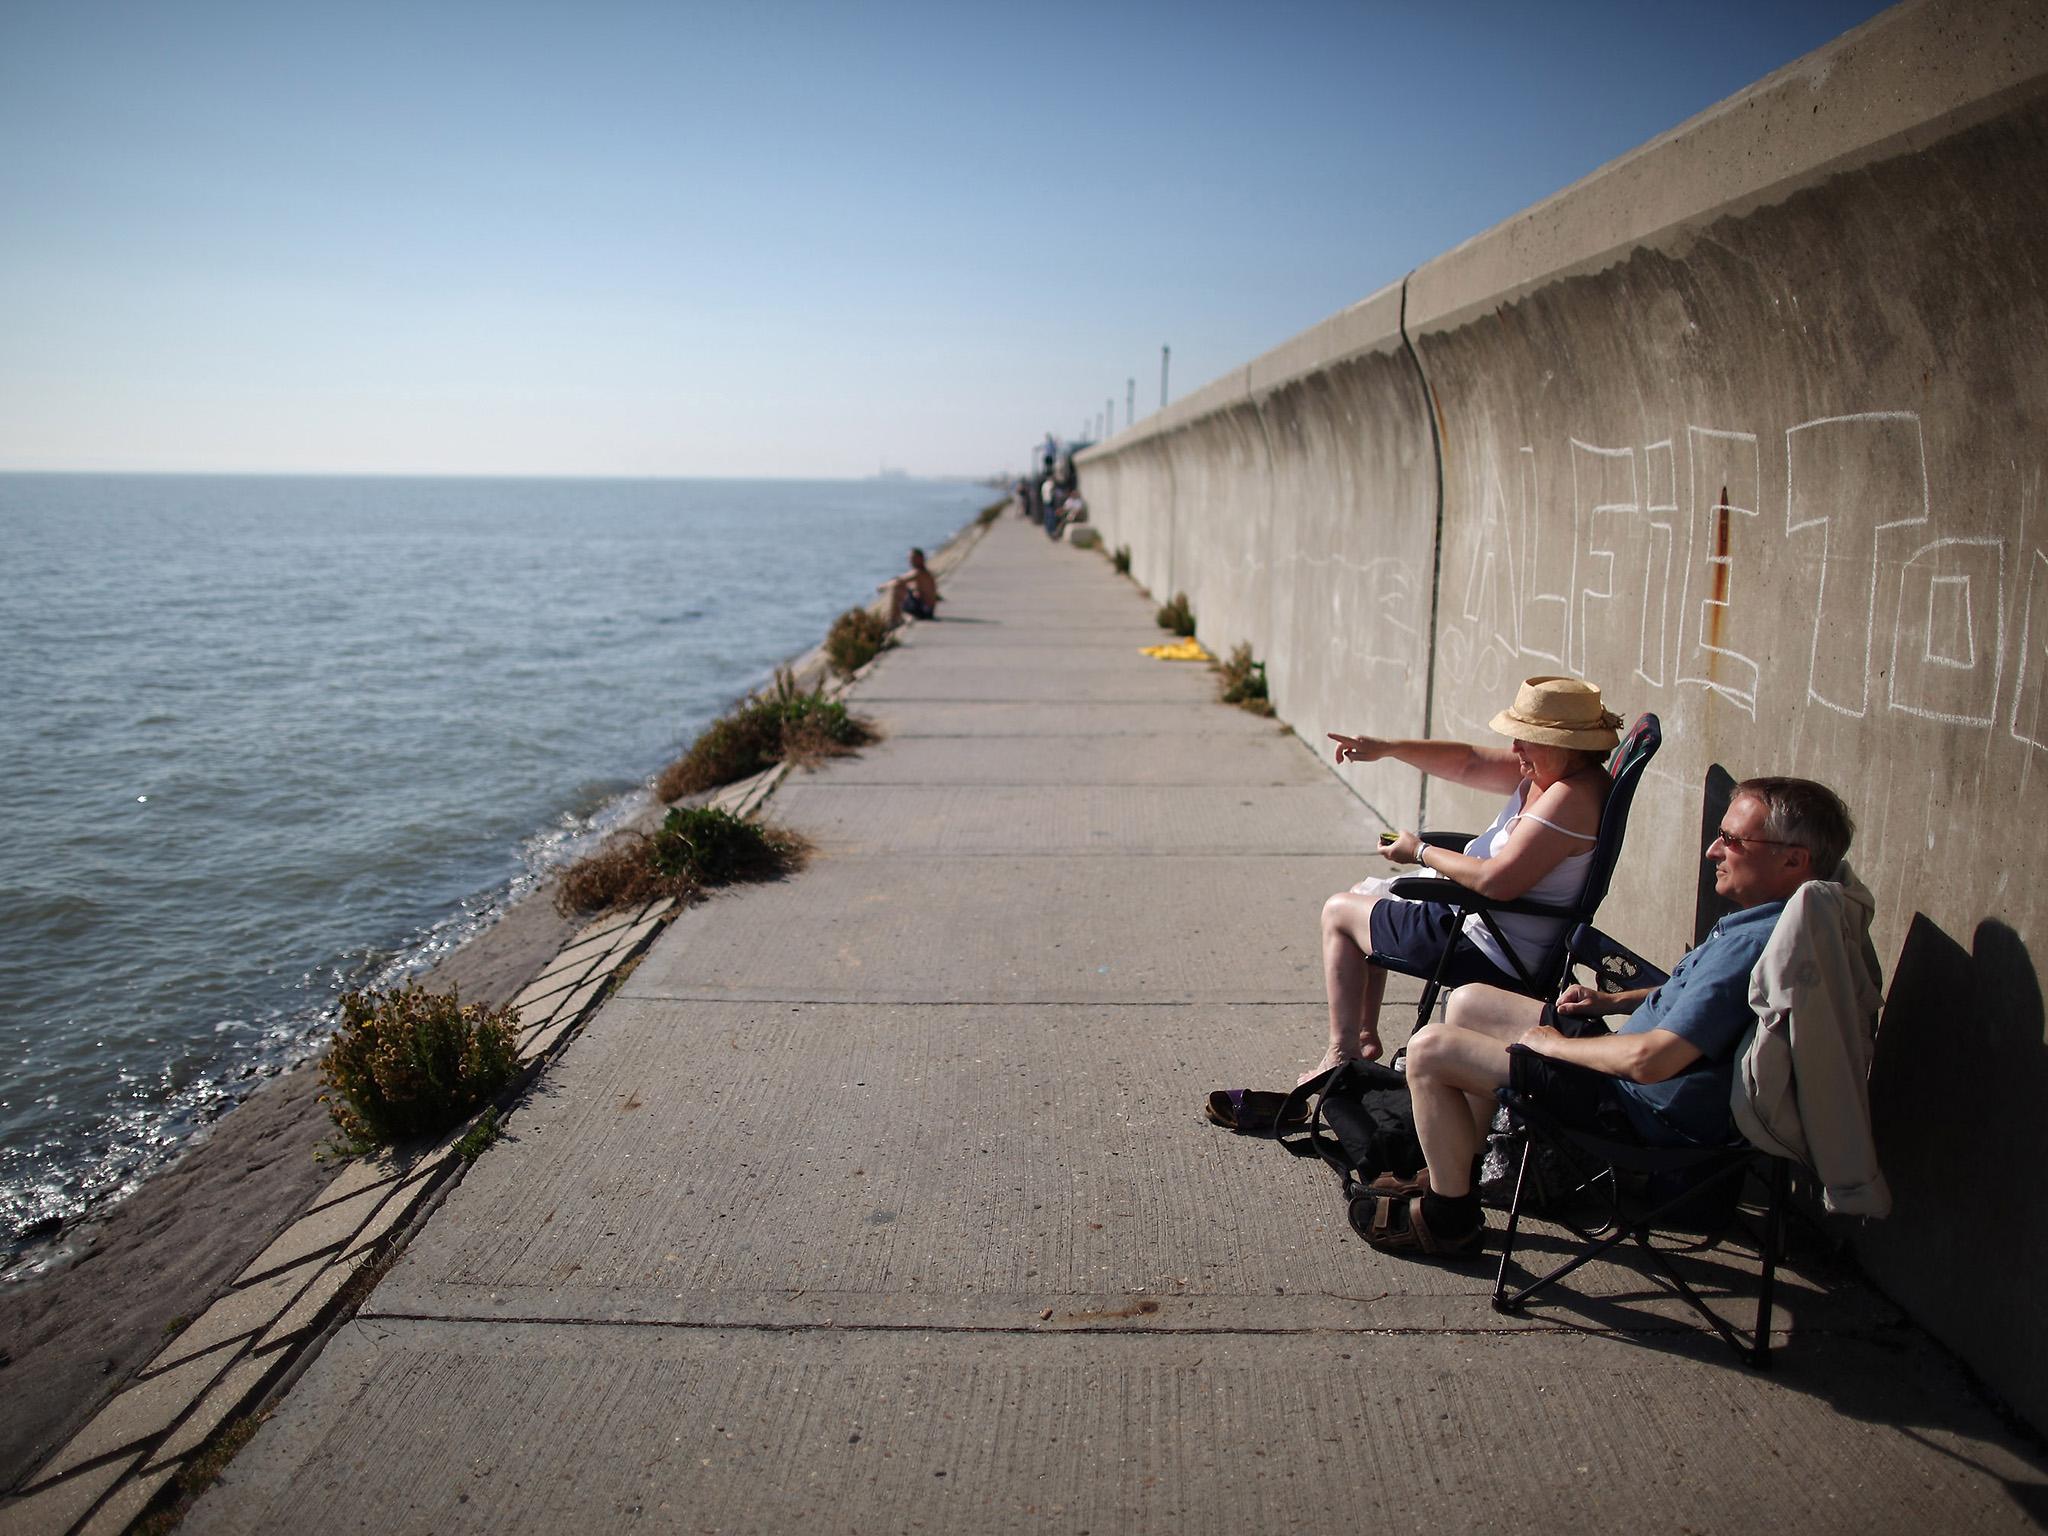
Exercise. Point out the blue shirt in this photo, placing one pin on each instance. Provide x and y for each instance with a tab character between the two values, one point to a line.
1705	1004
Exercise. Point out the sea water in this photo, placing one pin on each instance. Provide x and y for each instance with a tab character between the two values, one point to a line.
263	740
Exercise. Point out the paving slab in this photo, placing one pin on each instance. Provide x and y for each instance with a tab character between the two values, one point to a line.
945	678
211	1411
238	1313
359	1174
1016	630
952	821
1010	929
515	1428
543	994
118	1513
327	1227
54	1509
305	1311
542	1040
1088	662
1073	759
977	1165
144	1410
992	720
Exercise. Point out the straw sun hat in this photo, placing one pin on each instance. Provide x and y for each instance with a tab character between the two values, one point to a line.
1559	712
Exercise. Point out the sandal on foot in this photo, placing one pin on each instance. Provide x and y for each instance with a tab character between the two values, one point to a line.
1398	1226
1401	1186
1253	1112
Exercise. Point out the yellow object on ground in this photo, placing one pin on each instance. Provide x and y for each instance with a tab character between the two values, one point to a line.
1189	649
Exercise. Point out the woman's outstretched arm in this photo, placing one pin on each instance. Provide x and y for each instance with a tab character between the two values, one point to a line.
1461	762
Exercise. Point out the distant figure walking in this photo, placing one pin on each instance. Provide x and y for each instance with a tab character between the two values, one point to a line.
915	592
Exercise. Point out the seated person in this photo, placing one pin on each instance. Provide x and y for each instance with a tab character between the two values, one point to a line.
1664	1076
1540	847
915	592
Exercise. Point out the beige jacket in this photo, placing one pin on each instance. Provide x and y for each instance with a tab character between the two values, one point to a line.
1802	1086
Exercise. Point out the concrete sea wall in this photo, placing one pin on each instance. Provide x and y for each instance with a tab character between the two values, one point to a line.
1748	427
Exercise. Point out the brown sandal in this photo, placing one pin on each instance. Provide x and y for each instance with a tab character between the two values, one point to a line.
1399	1186
1411	1234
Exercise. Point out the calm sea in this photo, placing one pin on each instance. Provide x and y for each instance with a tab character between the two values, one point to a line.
266	739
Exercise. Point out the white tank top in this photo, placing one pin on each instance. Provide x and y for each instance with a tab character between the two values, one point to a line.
1530	936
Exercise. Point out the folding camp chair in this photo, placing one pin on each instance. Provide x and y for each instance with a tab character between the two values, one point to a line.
1681	1181
1625	765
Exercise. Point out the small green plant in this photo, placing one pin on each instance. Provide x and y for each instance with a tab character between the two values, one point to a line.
714	847
786	724
1122	559
479	1137
856	638
1177	615
413	1063
1244	681
693	848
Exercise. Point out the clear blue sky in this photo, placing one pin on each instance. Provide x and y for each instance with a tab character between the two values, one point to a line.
756	238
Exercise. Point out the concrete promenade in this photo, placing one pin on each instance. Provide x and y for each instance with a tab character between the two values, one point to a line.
879	1200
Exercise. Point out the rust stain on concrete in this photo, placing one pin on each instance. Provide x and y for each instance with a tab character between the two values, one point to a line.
1719	603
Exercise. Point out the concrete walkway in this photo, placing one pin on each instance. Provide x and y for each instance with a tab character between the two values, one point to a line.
879	1200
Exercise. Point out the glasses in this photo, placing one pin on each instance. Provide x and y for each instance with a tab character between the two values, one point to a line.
1734	842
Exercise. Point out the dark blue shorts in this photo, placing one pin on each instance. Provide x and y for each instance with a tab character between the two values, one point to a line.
1413	934
917	607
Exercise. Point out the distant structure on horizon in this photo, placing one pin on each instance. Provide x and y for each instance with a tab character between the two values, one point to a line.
888	473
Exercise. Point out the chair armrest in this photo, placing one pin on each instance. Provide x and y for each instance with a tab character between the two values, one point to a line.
1455	841
1613	962
1635	1156
1445	892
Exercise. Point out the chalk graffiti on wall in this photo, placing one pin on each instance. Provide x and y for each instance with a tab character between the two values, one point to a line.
1692	588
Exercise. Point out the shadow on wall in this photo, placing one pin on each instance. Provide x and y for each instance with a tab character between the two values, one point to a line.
1709	905
1957	1092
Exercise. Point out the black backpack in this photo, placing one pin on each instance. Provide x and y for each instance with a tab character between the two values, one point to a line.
1363	1124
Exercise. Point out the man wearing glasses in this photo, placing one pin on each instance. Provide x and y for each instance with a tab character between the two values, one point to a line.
1662	1076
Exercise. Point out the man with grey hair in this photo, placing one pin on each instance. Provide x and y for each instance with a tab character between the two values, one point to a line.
1663	1077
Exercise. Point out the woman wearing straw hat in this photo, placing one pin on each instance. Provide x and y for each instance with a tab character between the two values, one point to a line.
1540	847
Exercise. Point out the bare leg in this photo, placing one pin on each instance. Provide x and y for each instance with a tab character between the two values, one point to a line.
1453	1073
1352	984
896	590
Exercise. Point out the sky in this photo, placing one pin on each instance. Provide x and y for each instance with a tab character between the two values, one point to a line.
763	238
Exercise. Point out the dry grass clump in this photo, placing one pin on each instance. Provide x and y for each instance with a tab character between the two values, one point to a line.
1244	681
783	725
1177	615
856	638
692	850
1121	559
992	511
413	1063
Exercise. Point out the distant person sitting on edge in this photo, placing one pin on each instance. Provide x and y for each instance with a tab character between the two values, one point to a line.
1664	1077
1072	510
915	592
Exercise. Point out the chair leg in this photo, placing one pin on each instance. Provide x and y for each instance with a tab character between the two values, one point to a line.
1754	1350
1427	1005
1507	1244
1774	1241
1595	1243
